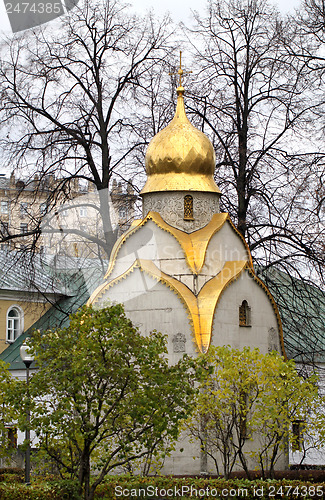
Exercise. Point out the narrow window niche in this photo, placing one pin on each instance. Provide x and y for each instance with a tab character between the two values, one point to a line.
244	314
188	207
297	435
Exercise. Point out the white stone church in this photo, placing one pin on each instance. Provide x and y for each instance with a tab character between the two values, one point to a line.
184	269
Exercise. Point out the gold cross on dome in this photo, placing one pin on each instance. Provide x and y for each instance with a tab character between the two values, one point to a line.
181	72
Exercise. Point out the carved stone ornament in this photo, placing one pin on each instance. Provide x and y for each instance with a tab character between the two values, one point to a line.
273	340
179	341
171	208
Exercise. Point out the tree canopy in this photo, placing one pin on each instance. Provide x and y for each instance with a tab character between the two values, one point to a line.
8	413
104	396
248	397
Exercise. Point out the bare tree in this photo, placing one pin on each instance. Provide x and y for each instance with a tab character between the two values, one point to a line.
255	99
67	100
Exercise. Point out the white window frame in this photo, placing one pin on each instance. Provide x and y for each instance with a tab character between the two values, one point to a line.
24	228
11	333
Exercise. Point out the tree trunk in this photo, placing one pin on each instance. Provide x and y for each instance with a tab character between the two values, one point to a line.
84	475
110	236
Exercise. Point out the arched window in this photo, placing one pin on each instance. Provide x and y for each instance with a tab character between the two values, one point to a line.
297	435
244	314
15	323
188	207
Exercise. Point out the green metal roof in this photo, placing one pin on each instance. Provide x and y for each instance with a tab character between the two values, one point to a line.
83	283
302	309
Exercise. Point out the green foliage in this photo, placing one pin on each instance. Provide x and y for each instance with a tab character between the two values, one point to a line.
110	489
104	395
50	490
247	396
15	474
8	477
198	487
7	411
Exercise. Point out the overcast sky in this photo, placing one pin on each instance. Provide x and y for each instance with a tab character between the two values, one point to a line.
180	10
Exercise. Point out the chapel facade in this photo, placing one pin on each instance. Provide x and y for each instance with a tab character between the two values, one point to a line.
184	269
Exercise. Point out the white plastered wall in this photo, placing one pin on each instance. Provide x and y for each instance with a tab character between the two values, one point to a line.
226	329
152	305
150	242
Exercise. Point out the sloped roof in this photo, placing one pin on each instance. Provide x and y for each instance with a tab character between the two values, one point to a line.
82	282
302	310
20	272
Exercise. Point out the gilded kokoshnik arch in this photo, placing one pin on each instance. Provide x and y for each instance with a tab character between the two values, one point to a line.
201	304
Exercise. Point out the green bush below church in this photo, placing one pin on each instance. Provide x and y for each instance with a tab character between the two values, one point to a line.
168	488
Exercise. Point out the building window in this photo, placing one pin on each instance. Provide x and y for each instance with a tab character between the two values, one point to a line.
15	319
188	207
4	207
23	228
244	314
83	212
179	341
23	209
297	435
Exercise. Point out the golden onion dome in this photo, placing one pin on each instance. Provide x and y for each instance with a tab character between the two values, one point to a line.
180	157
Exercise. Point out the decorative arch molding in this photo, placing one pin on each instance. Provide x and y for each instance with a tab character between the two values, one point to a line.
201	307
194	245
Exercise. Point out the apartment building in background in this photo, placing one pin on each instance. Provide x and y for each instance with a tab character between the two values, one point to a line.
69	224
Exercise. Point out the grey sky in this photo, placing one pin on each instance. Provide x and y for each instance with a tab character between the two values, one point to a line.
180	11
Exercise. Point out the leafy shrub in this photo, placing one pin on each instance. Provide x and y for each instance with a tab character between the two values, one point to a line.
52	490
11	474
113	487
